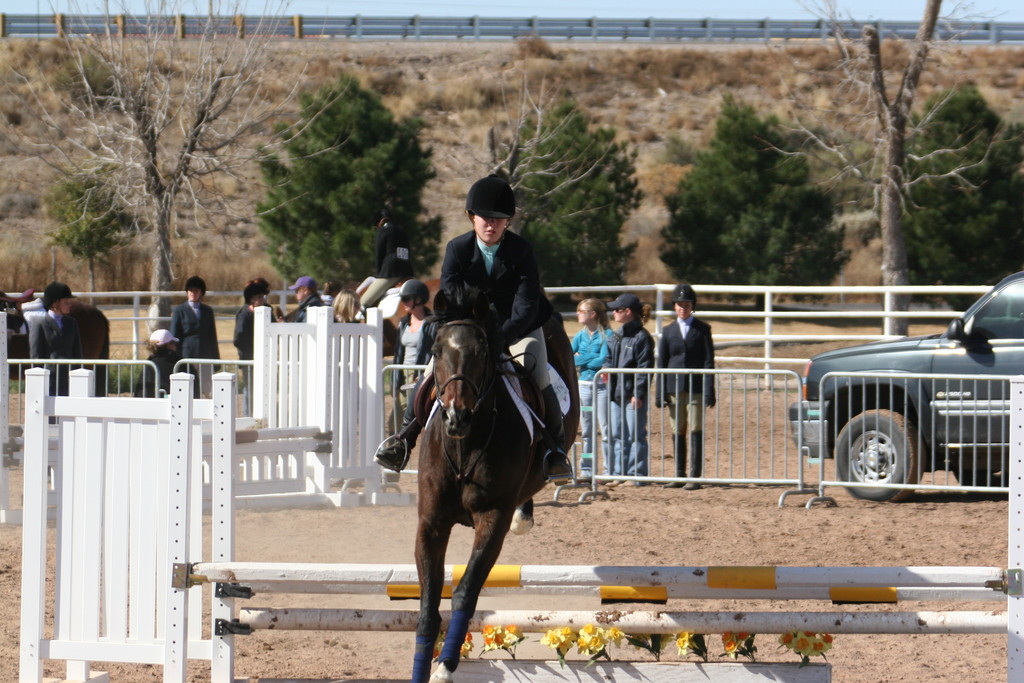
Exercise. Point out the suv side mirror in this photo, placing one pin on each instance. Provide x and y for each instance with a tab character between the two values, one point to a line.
956	330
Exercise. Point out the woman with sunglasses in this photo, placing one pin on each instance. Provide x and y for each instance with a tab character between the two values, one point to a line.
415	341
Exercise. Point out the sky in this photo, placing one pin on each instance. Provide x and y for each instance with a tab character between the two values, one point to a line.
991	10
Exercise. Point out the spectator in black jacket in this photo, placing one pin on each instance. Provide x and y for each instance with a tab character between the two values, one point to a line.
254	295
687	343
631	347
55	335
192	322
391	246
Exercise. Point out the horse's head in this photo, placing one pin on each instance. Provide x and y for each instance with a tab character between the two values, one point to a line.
463	364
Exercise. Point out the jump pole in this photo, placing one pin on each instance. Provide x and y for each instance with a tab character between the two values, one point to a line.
639	621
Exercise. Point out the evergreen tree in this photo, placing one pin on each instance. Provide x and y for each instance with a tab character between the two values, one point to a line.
746	214
577	189
966	229
92	220
350	159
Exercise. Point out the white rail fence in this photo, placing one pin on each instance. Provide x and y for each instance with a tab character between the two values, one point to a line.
776	306
130	549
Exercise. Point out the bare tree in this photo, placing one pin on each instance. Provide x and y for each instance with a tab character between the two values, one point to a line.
879	99
164	106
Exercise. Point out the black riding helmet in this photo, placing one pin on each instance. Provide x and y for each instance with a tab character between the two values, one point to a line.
491	197
415	290
684	292
54	292
195	282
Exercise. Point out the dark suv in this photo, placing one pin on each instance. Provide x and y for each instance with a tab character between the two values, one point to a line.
931	403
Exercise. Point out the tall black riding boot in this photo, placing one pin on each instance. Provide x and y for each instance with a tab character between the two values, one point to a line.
696	460
680	444
556	464
393	452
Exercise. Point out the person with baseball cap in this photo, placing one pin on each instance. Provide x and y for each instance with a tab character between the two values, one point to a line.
686	345
631	347
55	335
502	264
307	296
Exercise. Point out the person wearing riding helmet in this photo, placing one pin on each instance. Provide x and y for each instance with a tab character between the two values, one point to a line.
391	247
55	335
502	265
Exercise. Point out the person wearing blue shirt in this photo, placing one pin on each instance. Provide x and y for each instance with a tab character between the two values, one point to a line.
590	351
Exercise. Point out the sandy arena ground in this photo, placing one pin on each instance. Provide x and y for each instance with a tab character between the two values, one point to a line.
650	525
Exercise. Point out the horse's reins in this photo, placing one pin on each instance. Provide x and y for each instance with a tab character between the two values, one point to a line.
481	395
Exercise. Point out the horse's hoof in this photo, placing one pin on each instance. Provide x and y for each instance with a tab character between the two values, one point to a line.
441	674
520	523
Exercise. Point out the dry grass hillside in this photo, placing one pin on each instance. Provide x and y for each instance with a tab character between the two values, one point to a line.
657	97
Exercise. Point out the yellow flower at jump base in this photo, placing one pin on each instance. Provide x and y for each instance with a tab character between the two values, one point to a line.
590	640
692	643
807	644
502	638
739	645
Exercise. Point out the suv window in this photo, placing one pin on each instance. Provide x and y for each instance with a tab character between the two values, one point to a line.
1003	316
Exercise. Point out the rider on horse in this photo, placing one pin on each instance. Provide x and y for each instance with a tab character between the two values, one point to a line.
501	264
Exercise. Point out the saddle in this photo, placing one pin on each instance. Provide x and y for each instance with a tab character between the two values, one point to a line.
427	394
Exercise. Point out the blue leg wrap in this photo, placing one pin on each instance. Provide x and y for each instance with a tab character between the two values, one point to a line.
421	660
453	640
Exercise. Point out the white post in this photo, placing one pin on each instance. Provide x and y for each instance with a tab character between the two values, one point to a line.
374	382
322	375
1015	539
38	408
5	427
222	464
261	370
178	489
85	522
768	327
886	310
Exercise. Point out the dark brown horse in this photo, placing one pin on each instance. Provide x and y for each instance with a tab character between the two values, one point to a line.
479	466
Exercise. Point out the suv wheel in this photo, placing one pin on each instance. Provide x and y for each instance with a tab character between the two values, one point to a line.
878	447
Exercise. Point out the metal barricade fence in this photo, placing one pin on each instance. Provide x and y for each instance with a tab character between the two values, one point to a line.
884	430
743	437
113	378
203	370
399	382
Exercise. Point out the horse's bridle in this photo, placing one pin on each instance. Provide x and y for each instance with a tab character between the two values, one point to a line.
462	470
487	386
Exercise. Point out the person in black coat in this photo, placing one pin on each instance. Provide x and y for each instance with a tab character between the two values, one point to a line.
391	247
687	344
631	347
503	266
55	335
192	322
